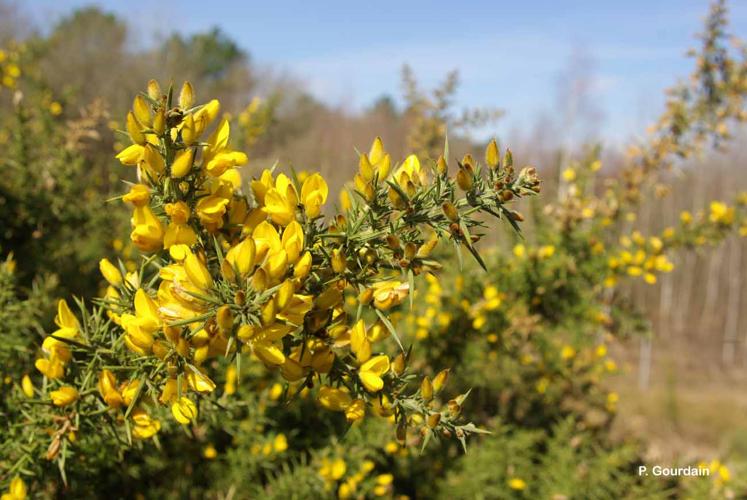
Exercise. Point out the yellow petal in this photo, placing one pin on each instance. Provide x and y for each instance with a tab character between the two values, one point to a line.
182	163
371	381
184	410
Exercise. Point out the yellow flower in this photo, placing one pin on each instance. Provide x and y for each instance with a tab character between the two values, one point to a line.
209	452
27	386
356	411
359	343
140	327
517	484
110	272
52	367
211	209
55	108
178	232
333	470
724	475
389	293
334	399
130	390
217	158
376	163
612	399
546	251
721	213
200	382
16	490
293	241
409	176
567	352
225	160
144	426
57	351
147	233
280	202
184	410
108	389
229	387
542	385
64	396
314	193
371	372
569	175
280	443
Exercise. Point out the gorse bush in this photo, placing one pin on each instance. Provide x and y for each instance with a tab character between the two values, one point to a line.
228	277
52	189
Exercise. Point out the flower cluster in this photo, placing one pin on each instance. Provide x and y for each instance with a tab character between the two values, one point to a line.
638	256
347	484
10	71
237	271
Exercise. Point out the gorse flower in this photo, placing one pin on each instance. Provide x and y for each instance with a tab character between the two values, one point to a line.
16	491
56	351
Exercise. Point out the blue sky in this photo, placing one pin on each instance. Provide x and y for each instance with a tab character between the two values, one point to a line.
510	54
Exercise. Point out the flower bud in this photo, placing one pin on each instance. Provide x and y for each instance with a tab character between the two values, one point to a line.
454	407
492	157
398	365
508	159
393	241
186	96
441	166
468	163
433	420
339	263
154	90
410	250
450	211
27	386
440	380
464	179
401	431
224	318
426	389
516	216
396	199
